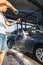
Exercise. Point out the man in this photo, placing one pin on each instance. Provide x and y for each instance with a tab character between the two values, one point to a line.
4	5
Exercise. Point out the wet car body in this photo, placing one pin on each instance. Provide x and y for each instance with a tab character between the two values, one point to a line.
26	41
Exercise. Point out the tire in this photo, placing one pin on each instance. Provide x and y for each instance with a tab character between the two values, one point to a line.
38	52
9	44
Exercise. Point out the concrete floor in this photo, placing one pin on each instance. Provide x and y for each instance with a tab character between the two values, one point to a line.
18	58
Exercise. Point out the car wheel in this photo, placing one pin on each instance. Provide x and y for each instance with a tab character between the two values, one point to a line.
38	51
9	44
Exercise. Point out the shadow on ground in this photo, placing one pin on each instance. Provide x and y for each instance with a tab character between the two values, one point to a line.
31	56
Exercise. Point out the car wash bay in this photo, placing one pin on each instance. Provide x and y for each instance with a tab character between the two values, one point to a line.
25	5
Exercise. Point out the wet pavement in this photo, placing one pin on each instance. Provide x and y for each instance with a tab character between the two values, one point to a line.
17	58
9	60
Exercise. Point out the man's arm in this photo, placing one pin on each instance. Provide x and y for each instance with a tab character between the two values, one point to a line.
2	1
12	23
9	5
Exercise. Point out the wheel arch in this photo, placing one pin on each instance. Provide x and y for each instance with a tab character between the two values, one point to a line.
37	45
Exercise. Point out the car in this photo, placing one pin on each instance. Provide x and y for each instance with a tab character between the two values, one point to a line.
27	40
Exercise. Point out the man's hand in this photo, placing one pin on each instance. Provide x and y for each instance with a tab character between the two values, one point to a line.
15	11
18	20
